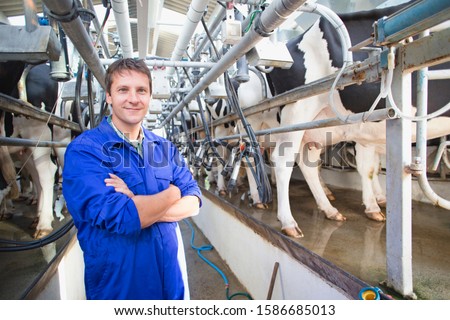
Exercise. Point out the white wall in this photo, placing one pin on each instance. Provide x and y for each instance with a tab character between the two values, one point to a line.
252	259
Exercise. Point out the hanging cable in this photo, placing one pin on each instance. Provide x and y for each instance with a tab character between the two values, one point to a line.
14	246
262	181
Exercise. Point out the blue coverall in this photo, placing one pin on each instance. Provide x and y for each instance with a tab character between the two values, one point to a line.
123	261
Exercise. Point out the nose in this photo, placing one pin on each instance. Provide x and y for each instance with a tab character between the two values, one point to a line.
133	96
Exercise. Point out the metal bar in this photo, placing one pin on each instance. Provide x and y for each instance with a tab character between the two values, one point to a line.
411	20
4	141
376	115
427	51
353	74
269	20
272	280
30	13
168	63
19	107
421	141
399	189
438	74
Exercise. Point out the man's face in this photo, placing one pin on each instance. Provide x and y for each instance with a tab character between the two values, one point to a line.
130	99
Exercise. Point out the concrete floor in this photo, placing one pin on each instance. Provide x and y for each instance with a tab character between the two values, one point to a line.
205	282
357	246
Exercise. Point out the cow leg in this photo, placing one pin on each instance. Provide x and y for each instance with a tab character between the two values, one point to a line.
365	156
309	166
31	188
380	196
254	194
325	188
46	170
284	156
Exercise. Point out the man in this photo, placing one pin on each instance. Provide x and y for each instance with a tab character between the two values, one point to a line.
126	188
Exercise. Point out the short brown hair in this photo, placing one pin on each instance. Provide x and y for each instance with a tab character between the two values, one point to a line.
129	64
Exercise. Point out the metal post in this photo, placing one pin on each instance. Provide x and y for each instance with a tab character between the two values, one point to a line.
399	188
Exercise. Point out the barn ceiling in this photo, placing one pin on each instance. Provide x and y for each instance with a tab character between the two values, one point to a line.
166	39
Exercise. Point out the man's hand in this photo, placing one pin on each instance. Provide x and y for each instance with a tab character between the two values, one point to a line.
174	192
119	185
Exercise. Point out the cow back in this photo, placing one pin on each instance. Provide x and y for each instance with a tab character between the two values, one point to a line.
356	98
41	88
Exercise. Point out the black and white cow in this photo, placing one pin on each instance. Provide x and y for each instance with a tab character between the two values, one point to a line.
41	91
317	53
8	186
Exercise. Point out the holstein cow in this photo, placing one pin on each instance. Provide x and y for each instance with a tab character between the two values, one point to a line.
41	91
8	186
317	53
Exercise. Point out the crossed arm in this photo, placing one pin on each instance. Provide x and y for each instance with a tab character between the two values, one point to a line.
165	206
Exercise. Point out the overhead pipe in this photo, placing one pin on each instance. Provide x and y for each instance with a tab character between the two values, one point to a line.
193	16
421	139
143	27
66	12
273	16
212	25
122	17
168	63
99	30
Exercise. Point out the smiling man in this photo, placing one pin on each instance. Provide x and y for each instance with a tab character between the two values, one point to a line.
126	188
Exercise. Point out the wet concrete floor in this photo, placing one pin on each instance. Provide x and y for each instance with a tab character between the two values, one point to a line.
358	245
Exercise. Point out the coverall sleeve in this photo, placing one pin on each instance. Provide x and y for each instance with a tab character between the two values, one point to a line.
89	201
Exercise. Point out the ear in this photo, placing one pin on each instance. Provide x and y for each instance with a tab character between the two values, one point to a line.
108	98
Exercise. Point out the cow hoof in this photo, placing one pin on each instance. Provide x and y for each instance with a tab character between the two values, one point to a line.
376	216
337	217
293	232
39	234
382	203
261	206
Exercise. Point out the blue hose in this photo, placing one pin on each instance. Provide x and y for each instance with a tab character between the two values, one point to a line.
209	248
